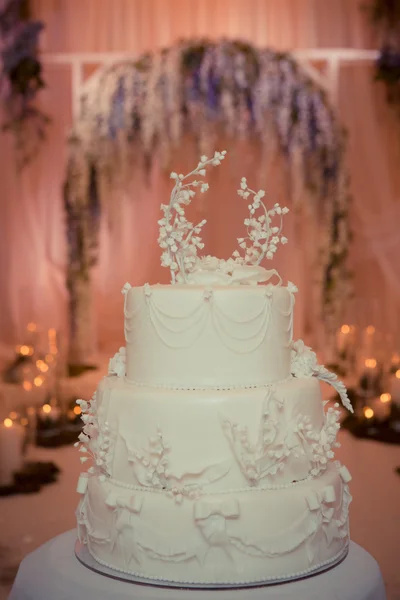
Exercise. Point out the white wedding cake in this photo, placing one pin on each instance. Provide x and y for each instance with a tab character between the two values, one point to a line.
212	450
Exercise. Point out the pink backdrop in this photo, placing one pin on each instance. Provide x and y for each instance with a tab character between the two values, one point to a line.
32	244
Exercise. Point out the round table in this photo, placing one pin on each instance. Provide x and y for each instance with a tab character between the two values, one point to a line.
52	572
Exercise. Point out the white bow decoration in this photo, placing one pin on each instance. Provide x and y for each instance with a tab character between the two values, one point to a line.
132	503
322	504
229	509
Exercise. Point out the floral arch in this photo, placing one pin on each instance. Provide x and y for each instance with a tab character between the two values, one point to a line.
134	109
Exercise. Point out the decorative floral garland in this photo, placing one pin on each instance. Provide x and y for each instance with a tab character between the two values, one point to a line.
21	78
133	108
385	16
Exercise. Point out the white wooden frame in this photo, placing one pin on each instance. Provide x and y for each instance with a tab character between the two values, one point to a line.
328	80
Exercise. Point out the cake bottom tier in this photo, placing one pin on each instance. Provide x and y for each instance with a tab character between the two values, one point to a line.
237	537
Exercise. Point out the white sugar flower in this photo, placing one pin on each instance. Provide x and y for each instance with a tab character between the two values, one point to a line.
303	360
116	365
176	233
127	286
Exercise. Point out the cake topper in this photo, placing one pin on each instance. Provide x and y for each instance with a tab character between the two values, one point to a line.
180	240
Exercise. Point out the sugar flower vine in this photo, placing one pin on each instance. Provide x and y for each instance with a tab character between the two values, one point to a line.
178	237
262	240
180	240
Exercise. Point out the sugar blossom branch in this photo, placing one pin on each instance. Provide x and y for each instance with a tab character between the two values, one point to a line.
178	237
262	239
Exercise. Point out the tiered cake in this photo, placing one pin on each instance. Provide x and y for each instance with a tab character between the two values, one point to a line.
212	448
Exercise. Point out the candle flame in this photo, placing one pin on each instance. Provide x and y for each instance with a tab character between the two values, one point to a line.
31	327
398	374
38	381
46	408
370	329
8	423
41	365
368	413
25	350
370	363
385	398
77	410
345	329
27	386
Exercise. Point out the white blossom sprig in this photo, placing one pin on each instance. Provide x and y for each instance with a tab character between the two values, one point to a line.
262	238
179	238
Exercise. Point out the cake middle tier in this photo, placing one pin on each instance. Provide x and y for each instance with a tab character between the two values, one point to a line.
189	336
183	440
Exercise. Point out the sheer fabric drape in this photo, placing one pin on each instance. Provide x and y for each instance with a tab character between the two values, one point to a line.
32	244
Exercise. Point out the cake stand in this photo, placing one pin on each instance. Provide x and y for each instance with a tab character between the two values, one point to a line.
52	572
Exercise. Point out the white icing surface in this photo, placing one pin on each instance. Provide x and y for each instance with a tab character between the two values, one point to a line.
194	336
245	537
217	440
209	445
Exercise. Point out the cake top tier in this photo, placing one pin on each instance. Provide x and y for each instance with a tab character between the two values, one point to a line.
214	326
180	239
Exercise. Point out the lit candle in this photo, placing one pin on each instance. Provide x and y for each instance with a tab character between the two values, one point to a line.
32	423
395	388
382	406
52	338
395	362
345	342
342	338
51	412
42	366
32	334
25	350
11	450
369	340
368	412
370	370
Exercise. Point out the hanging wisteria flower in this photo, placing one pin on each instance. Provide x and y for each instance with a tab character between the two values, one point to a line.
21	79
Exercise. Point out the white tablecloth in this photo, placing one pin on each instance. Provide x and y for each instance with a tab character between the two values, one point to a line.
53	573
